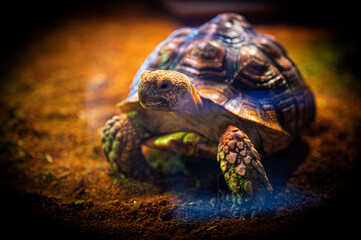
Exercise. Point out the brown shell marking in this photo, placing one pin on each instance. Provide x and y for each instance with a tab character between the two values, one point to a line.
165	52
227	25
255	69
295	101
246	108
274	50
216	93
204	56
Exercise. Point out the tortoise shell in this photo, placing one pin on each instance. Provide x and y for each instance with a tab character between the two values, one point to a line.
231	64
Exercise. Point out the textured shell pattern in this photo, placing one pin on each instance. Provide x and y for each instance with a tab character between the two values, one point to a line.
247	73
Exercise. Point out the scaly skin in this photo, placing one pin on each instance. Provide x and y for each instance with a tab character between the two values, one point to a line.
121	142
241	166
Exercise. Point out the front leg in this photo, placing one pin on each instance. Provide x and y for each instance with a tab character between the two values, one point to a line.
241	166
121	142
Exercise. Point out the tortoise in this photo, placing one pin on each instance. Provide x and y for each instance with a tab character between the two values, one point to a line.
222	91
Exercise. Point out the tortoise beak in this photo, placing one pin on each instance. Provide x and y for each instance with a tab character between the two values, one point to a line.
156	104
150	102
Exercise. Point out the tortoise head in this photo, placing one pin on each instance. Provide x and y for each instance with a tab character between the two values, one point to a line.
166	90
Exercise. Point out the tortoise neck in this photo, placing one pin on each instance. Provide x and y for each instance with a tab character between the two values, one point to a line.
191	105
192	108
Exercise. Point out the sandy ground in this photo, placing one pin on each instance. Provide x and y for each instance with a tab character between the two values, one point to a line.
55	181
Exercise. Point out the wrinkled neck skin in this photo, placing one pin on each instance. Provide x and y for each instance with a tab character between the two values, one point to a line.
188	107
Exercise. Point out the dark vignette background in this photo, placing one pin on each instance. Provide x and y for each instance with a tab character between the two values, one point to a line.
21	22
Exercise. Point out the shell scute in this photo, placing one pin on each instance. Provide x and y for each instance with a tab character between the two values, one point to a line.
256	70
165	53
274	50
203	57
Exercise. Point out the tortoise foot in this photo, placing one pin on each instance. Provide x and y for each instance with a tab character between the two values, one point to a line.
121	143
241	166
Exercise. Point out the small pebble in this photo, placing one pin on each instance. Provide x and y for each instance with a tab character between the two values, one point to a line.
48	158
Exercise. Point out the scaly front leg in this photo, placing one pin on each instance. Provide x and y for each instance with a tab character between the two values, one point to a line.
241	166
121	142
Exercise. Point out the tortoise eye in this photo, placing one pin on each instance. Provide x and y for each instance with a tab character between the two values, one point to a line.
164	85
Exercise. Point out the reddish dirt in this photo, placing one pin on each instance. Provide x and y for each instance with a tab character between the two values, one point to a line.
55	181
